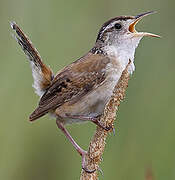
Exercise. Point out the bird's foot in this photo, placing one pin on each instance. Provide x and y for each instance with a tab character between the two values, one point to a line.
84	165
96	120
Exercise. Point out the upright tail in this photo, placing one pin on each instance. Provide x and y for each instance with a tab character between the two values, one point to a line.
42	74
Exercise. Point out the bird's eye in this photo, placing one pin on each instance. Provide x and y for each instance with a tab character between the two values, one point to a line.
118	26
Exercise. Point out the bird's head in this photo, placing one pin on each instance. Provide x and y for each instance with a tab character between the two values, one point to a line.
121	30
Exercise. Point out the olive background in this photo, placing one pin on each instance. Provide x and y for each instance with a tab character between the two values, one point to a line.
63	31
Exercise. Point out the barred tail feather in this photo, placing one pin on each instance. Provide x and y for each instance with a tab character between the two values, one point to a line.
42	74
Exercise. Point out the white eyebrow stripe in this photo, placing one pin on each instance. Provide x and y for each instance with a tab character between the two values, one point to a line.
107	27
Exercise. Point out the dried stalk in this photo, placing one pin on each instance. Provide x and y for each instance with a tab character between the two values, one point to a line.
98	141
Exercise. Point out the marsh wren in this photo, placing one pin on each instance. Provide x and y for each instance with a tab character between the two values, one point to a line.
80	91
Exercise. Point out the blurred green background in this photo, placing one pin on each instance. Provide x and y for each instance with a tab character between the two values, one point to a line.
63	31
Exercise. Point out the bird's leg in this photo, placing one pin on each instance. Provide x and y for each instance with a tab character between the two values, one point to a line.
76	146
95	120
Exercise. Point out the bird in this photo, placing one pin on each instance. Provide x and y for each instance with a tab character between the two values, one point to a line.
80	91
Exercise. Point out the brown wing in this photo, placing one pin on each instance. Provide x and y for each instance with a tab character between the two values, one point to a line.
72	83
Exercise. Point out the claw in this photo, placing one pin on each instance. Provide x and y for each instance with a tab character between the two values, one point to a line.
107	128
88	171
113	129
98	123
101	172
84	165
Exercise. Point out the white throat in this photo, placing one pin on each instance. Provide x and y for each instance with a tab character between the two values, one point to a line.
123	51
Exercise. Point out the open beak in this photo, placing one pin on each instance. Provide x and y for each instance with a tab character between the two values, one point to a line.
136	20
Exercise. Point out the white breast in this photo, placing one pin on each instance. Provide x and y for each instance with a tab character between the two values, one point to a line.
123	51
